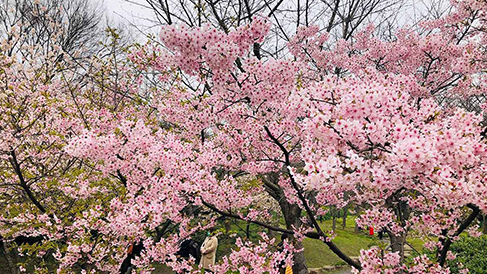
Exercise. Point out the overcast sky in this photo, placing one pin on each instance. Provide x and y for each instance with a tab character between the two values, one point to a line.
135	13
131	12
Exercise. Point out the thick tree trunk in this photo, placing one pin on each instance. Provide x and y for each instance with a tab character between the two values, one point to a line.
292	217
292	214
8	258
397	244
403	212
299	266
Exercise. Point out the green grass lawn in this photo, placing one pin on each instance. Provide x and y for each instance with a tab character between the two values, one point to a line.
416	243
318	254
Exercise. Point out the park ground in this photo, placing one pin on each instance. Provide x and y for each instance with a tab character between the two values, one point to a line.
317	254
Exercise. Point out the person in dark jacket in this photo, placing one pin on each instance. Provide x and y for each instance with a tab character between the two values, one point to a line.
189	247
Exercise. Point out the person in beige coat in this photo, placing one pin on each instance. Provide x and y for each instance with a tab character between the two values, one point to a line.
208	251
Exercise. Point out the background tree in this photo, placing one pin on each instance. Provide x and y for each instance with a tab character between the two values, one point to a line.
71	25
52	88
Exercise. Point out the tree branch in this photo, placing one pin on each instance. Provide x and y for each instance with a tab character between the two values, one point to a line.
309	212
446	246
23	183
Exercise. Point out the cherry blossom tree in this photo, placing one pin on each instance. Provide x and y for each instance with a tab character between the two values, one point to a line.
309	134
44	101
334	122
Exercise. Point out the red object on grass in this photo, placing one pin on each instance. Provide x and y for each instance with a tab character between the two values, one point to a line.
371	231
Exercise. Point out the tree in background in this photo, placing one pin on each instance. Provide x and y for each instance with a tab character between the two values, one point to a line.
53	88
71	25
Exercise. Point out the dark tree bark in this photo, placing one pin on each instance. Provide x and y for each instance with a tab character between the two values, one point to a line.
342	19
292	214
442	254
397	243
403	211
8	257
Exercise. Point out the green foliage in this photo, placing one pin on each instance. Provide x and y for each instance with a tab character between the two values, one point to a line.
471	253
